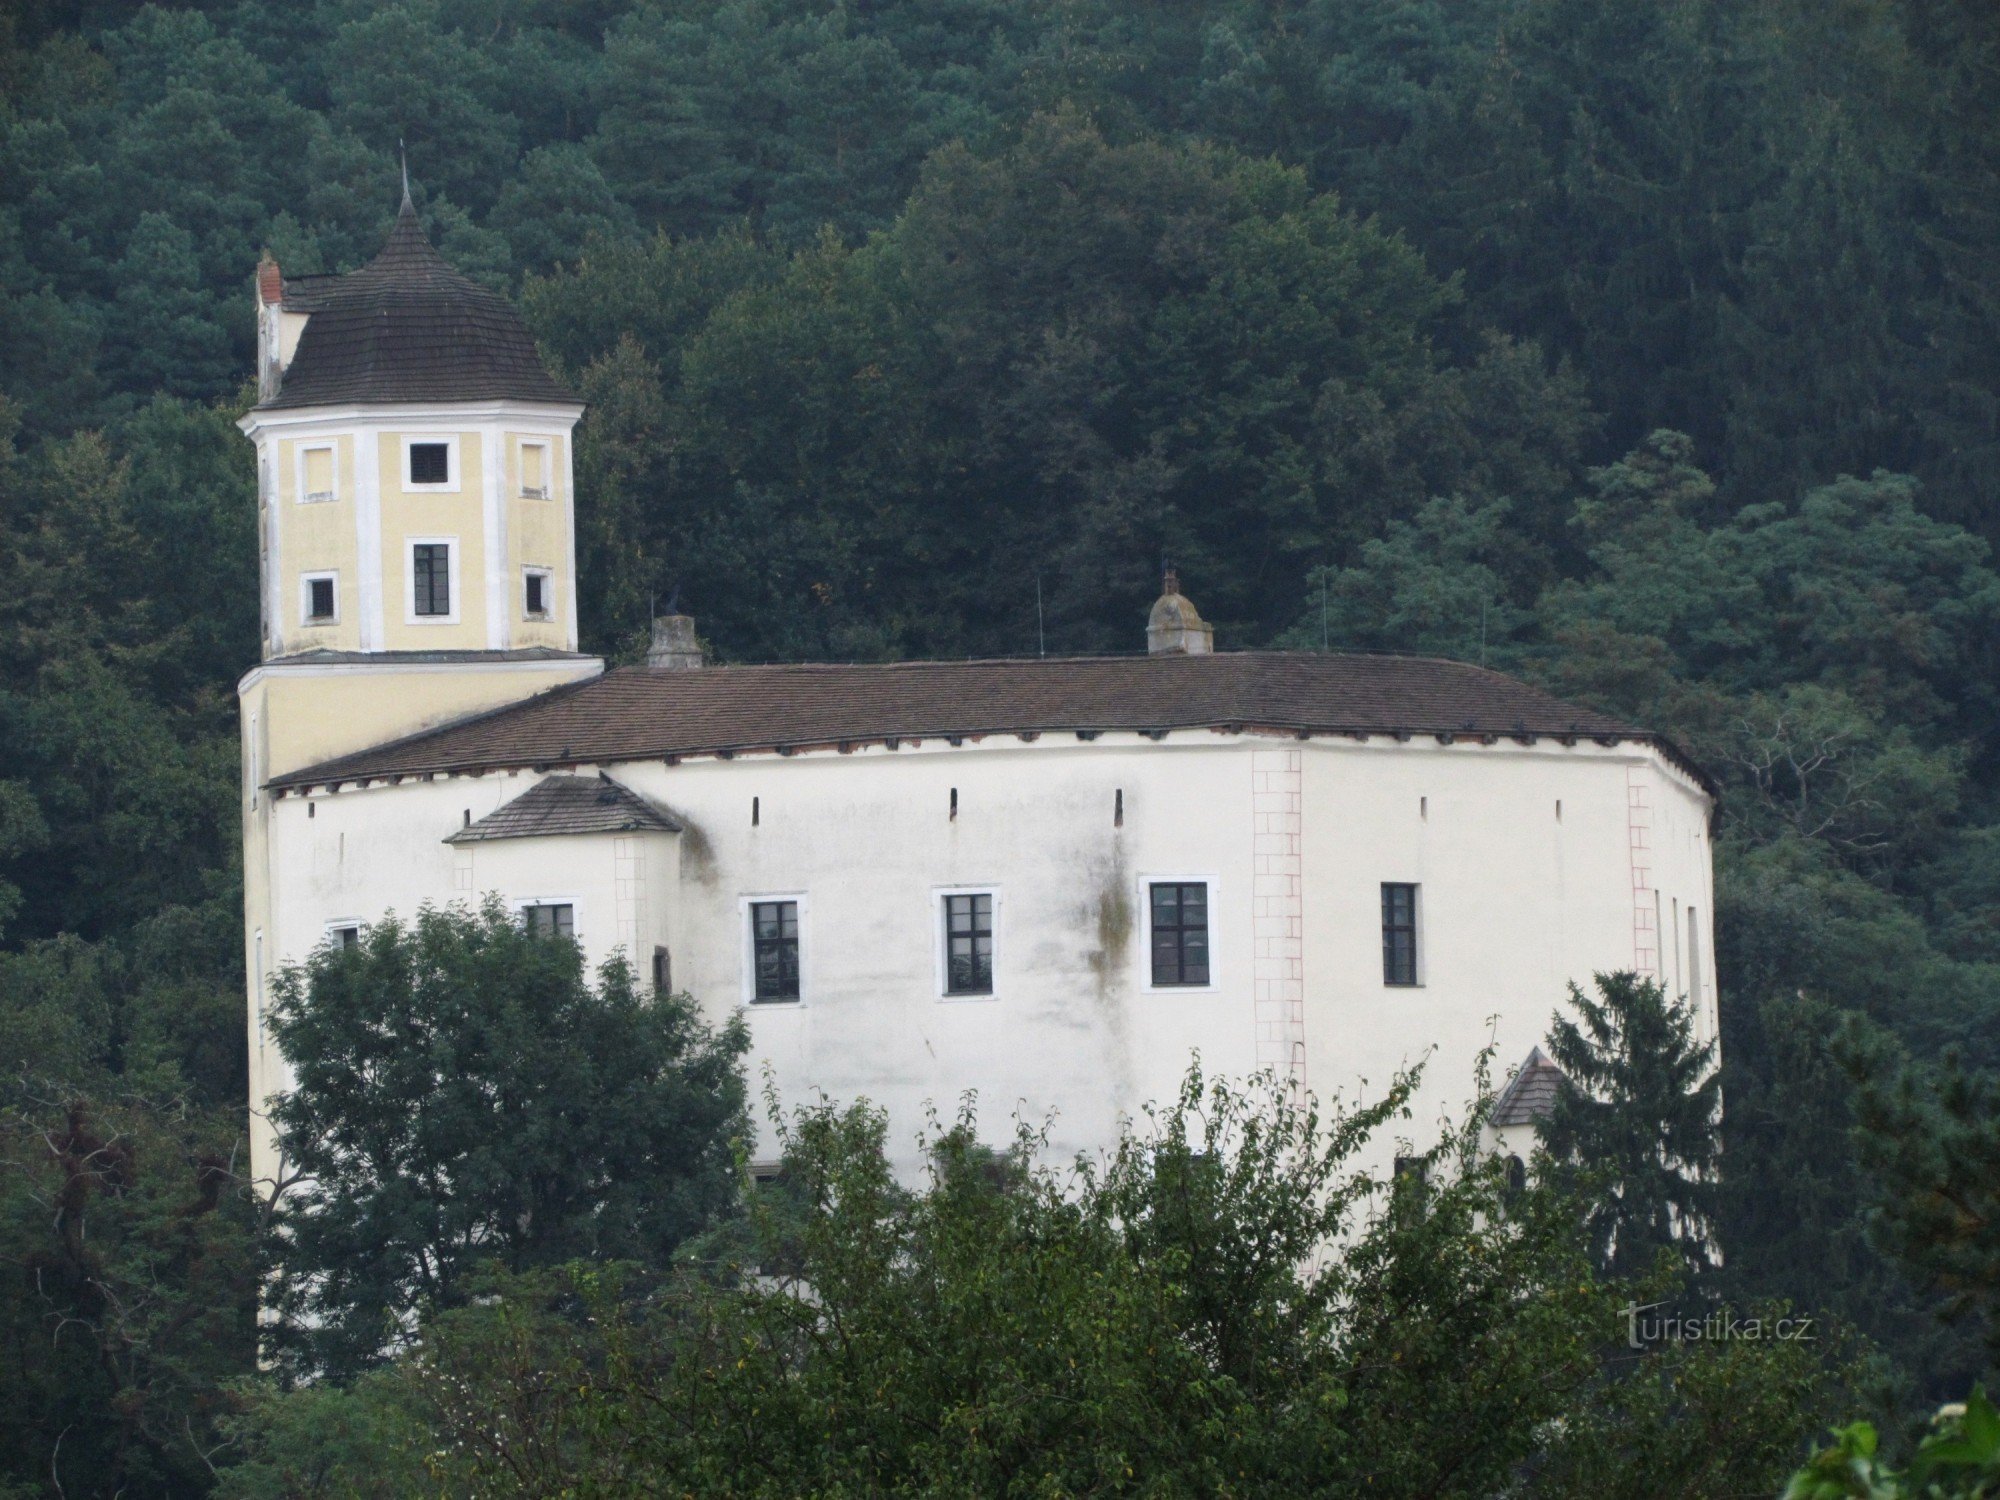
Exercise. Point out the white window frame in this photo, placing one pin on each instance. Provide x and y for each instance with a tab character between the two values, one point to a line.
315	497
1144	896
548	450
341	924
548	577
941	952
1418	903
452	471
747	950
307	619
574	903
410	545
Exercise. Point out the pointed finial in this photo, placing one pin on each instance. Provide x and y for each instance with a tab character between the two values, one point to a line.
1170	582
403	155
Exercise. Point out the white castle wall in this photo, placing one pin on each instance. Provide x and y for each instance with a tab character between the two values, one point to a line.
1293	837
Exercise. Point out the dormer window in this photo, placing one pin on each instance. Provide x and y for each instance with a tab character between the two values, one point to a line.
430	463
534	471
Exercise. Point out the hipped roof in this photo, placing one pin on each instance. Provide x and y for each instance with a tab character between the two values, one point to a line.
641	713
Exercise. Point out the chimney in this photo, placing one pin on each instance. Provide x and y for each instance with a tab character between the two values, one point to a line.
1175	627
674	646
270	327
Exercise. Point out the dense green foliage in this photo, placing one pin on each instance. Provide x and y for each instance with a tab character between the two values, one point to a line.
1959	1459
1175	1320
1647	348
464	1095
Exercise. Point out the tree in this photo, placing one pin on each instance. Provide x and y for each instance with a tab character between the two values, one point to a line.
465	1094
1232	1304
1637	1124
1929	1138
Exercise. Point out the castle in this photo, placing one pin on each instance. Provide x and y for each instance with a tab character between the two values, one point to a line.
1051	881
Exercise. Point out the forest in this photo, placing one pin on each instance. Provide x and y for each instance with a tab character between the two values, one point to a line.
1647	349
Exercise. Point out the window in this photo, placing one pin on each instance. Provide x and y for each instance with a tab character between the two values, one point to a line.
321	598
774	950
534	471
1180	932
430	574
550	919
315	475
1399	934
1694	964
968	945
344	934
536	588
430	463
663	970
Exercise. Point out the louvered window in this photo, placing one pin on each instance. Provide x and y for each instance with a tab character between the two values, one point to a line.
430	463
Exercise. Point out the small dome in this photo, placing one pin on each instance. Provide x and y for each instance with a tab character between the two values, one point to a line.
1173	612
407	327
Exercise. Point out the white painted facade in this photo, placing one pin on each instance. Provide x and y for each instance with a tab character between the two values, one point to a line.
1535	864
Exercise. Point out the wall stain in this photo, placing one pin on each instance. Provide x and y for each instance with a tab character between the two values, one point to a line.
697	854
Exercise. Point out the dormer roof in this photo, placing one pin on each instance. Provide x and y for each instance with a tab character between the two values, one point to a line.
406	327
1531	1093
568	804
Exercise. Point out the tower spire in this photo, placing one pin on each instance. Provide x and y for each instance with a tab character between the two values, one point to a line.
403	156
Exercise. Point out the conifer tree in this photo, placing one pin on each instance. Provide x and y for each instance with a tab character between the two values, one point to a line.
1637	1124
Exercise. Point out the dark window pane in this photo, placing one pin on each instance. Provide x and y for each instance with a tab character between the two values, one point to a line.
1180	933
1399	934
968	926
430	463
537	594
320	592
774	937
552	920
430	564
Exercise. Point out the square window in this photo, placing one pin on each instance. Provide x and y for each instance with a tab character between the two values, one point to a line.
550	919
430	463
774	950
968	945
430	565
319	600
346	936
1180	932
1399	934
535	602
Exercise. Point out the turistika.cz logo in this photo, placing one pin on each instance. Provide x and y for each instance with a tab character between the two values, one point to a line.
1645	1324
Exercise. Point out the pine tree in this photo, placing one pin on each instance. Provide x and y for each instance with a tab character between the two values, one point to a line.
1637	1126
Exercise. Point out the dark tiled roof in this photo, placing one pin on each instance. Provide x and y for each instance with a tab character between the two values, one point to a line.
407	327
568	804
308	293
639	713
1531	1093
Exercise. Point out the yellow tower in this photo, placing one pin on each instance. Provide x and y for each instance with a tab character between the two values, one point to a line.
415	522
